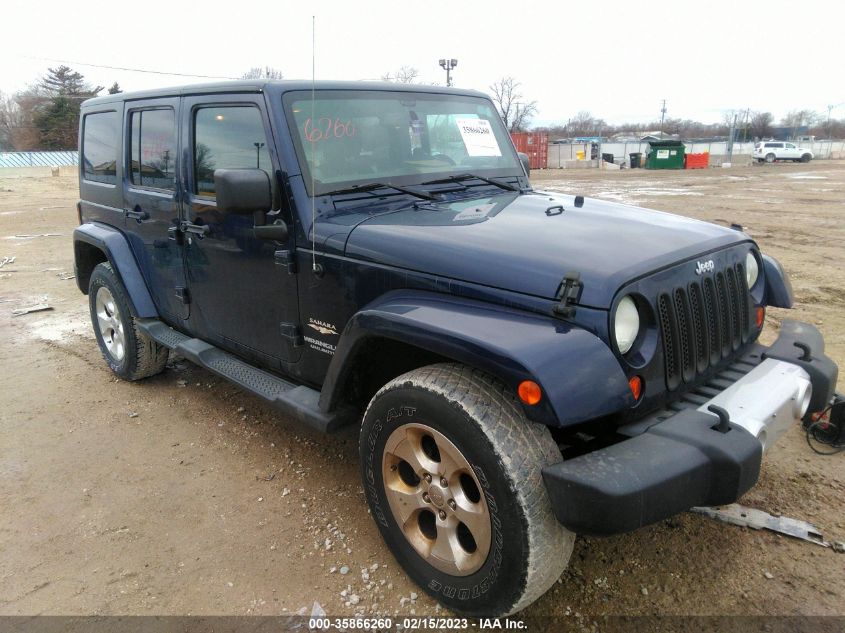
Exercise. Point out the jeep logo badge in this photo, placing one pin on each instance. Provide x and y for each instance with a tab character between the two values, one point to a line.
704	267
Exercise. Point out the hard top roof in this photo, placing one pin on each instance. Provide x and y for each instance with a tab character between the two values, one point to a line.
284	85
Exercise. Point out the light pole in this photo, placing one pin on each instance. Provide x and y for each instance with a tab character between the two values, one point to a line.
448	65
258	147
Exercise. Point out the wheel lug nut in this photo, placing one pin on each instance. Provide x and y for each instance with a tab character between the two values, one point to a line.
426	498
452	504
442	515
427	478
443	482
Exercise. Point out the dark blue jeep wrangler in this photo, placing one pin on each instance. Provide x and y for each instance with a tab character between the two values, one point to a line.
527	365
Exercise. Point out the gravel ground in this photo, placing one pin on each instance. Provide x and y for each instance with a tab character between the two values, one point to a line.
183	495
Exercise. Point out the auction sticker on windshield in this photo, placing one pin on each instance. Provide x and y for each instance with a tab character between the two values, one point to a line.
478	137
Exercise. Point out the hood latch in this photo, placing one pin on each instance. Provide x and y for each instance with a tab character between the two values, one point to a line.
567	294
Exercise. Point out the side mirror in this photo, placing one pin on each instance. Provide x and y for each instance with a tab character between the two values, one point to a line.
242	190
526	163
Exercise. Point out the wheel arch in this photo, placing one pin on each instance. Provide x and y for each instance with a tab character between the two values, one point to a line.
405	330
94	244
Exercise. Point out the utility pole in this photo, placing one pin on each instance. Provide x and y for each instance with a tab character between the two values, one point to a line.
448	65
731	135
829	109
662	117
745	122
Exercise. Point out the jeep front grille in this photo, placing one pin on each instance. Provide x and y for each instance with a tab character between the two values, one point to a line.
703	323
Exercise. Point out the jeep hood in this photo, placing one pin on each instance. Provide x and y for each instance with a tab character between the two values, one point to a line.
527	242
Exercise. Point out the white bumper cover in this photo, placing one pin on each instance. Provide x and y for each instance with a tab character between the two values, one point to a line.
767	401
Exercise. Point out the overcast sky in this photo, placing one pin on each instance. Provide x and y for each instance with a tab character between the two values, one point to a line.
617	60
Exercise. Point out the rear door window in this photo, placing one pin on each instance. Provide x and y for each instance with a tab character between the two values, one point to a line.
152	148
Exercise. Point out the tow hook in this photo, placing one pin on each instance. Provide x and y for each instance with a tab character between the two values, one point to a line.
724	424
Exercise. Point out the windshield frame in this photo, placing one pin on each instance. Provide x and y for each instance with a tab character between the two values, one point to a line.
408	180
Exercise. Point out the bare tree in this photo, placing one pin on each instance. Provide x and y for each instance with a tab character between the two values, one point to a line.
796	119
268	72
405	75
761	124
515	112
18	130
585	124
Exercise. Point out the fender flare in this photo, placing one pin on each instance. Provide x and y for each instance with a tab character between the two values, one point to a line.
778	287
580	377
115	247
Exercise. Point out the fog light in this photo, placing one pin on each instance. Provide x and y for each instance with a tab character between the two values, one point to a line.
761	316
529	392
636	385
802	399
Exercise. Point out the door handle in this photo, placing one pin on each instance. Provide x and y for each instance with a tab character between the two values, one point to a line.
200	230
137	214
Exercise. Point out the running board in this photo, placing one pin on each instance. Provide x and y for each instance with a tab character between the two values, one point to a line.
297	401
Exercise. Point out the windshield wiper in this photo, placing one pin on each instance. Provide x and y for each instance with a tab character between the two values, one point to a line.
462	177
381	185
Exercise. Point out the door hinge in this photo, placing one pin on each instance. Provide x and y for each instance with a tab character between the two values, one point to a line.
293	333
183	295
567	294
286	258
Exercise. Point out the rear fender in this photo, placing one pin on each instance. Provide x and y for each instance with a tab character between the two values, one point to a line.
114	247
579	376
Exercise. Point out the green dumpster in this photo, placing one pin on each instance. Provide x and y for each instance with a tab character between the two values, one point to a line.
665	155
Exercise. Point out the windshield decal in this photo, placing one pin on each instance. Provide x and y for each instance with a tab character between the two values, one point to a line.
478	137
327	128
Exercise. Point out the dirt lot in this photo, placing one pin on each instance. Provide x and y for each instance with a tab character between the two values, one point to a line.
183	495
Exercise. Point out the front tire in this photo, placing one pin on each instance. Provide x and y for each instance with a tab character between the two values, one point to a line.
452	473
805	158
129	352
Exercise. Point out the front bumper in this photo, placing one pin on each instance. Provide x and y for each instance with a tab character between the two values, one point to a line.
675	462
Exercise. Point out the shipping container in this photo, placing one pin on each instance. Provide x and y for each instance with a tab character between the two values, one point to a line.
535	145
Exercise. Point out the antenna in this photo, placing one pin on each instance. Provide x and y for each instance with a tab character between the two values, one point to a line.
313	191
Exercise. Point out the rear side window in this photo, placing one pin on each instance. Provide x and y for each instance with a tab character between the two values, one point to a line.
230	137
152	149
99	147
774	145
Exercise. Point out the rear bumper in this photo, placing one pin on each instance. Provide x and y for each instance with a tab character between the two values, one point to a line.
683	461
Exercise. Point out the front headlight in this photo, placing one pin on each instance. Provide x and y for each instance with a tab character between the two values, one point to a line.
752	270
626	324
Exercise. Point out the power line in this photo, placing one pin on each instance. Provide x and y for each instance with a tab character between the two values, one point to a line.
133	70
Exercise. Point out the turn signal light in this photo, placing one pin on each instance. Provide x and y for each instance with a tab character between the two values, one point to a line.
529	392
761	316
636	385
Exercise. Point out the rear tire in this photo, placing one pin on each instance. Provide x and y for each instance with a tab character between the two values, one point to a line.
129	352
488	464
770	158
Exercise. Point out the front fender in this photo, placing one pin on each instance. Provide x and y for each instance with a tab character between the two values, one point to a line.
580	377
114	246
778	288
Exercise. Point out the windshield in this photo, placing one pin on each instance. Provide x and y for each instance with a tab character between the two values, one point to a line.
350	137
